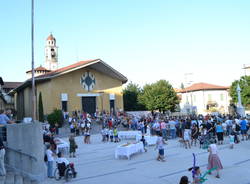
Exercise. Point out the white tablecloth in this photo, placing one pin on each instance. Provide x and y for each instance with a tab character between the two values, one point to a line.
130	135
62	146
151	140
128	150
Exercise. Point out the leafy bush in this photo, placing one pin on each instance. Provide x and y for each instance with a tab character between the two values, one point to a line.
55	117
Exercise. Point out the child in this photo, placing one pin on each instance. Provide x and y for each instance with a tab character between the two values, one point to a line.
103	134
186	138
231	140
202	137
196	174
144	143
107	134
87	135
160	146
111	135
184	180
116	135
236	138
72	146
72	128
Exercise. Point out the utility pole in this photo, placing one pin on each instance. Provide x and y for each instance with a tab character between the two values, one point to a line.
187	83
32	63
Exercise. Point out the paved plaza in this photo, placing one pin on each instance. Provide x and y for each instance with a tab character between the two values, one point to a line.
96	164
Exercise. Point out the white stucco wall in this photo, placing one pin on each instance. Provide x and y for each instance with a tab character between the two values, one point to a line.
199	100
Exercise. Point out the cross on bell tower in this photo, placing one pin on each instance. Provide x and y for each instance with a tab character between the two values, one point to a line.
51	53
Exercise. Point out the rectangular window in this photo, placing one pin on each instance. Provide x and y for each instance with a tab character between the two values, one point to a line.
65	106
112	106
221	97
194	98
209	97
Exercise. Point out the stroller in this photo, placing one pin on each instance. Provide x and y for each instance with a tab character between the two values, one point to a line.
206	140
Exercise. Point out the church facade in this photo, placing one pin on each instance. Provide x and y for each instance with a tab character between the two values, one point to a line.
87	86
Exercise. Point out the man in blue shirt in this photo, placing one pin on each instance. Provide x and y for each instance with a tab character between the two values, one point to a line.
243	128
4	119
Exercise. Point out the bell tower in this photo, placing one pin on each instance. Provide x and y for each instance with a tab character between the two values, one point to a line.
51	53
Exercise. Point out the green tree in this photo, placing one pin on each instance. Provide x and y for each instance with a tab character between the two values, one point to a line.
40	108
55	117
130	98
159	96
244	83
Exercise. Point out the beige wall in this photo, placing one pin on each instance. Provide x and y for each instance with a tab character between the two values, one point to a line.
70	83
27	102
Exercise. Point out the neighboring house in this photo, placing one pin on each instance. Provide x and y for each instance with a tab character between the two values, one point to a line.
203	98
6	99
8	86
2	100
247	69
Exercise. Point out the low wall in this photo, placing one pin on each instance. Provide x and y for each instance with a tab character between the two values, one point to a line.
25	150
138	113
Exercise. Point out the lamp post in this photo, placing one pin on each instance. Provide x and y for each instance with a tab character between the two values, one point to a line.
187	83
32	63
240	108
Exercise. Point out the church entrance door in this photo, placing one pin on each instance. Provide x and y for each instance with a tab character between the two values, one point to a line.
112	107
89	105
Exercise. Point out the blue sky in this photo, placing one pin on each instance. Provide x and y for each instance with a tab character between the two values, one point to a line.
146	40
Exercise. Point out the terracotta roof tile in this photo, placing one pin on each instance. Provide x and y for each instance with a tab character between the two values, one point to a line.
109	70
203	86
60	70
51	37
11	85
40	68
177	90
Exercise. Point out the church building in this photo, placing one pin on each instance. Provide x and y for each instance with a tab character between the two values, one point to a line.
87	86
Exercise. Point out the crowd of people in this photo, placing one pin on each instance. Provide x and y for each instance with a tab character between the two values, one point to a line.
193	129
54	155
79	124
204	131
207	132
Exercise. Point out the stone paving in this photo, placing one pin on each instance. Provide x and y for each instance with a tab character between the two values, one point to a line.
96	164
